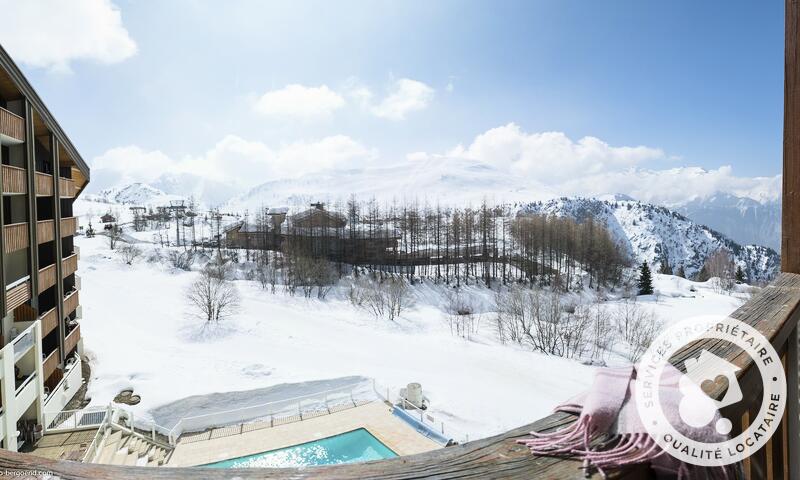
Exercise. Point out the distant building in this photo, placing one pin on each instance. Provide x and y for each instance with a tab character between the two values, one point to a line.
316	231
108	218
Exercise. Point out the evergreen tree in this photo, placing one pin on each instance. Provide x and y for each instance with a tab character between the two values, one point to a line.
645	280
740	278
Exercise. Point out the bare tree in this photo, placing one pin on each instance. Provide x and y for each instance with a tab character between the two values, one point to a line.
637	326
129	252
462	316
212	298
722	270
114	235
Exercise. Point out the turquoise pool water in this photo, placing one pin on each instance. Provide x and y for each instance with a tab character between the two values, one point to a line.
351	447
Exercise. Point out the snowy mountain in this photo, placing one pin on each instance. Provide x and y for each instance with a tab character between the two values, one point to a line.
742	219
448	180
653	233
133	194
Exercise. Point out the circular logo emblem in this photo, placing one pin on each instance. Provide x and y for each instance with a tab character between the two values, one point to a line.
676	408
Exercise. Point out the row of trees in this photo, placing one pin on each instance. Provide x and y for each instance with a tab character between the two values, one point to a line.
487	244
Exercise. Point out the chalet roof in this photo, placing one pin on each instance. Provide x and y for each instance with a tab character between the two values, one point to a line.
318	211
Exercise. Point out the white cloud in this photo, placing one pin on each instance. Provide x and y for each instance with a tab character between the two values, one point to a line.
233	161
551	156
300	102
53	33
674	186
405	97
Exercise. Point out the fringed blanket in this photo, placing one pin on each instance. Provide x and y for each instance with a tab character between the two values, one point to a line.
609	435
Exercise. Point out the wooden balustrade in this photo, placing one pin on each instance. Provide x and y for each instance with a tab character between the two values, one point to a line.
15	237
45	231
44	185
47	277
72	339
50	363
66	188
49	321
69	265
14	180
17	295
71	302
12	125
69	225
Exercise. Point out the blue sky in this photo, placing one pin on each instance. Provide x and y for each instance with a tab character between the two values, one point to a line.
700	82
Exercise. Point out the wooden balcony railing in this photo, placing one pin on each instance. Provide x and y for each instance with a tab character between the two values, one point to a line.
18	294
69	225
72	339
66	188
45	231
12	125
49	321
50	364
71	302
14	180
15	237
44	185
69	265
47	277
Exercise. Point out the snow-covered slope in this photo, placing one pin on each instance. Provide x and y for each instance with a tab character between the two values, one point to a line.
133	194
654	233
743	219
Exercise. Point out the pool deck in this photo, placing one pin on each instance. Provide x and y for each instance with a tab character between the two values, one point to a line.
376	417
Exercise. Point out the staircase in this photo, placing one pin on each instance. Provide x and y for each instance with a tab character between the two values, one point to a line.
117	443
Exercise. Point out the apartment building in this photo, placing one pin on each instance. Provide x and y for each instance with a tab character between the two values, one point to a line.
40	336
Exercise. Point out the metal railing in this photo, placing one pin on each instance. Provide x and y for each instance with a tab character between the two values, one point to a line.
274	413
424	418
75	419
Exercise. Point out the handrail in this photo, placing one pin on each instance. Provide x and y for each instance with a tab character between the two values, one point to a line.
773	311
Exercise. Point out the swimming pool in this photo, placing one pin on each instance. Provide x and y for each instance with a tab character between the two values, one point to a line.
350	447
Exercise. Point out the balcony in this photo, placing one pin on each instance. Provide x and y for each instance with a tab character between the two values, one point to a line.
69	225
49	321
44	185
47	277
50	363
45	231
72	339
18	293
14	180
69	265
15	237
12	128
66	188
71	302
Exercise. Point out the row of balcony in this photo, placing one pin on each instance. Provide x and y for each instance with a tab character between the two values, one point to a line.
15	235
20	292
15	182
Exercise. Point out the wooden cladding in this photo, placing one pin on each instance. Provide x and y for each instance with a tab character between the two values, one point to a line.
50	363
69	226
70	303
12	125
44	185
14	180
24	313
47	278
45	231
49	321
72	339
15	237
69	265
18	295
66	188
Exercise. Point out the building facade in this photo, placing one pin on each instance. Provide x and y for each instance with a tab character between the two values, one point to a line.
40	338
